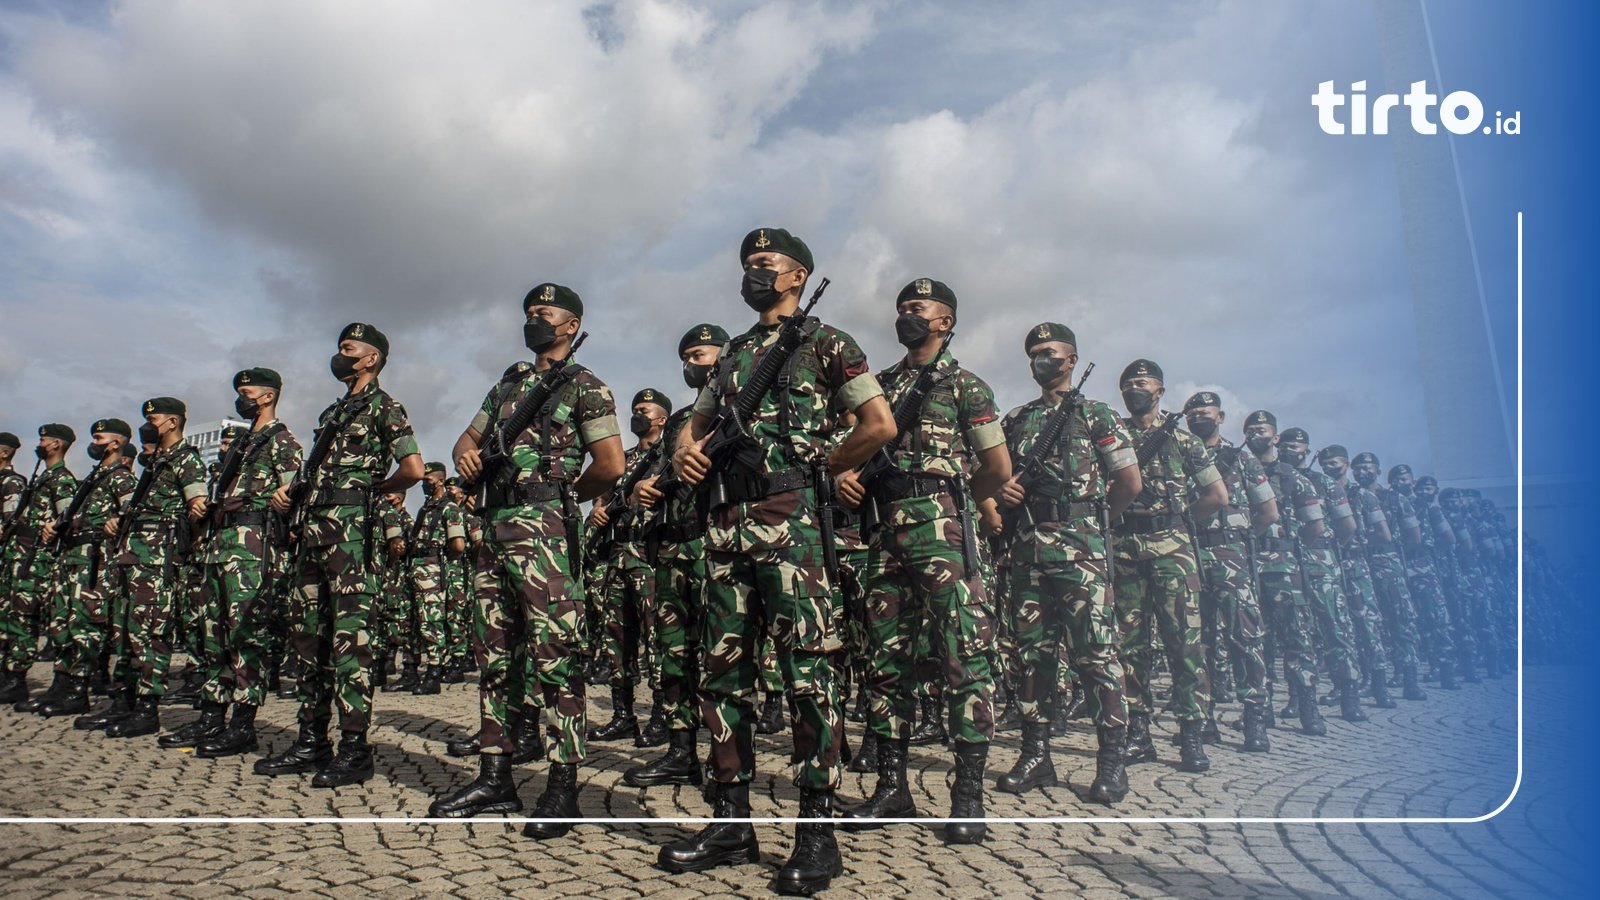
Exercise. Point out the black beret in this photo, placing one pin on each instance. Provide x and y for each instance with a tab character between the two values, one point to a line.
552	294
1048	331
1260	417
171	406
234	432
1141	367
1395	471
7	439
433	467
927	289
112	426
453	481
260	377
776	240
1365	456
1448	494
1333	450
1474	493
1426	479
702	335
651	395
1202	398
1292	435
58	430
361	331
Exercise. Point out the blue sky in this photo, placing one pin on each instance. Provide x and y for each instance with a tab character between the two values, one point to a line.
188	188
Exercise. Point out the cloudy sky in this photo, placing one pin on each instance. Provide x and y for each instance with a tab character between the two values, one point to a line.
189	188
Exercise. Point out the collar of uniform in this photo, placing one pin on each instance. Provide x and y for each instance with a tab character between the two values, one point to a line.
174	449
944	361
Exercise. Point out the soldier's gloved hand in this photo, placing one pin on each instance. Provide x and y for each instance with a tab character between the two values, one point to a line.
645	493
469	465
598	518
849	489
280	499
690	463
1012	494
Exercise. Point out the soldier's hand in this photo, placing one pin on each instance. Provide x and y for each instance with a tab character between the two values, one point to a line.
690	462
197	507
112	524
1011	495
48	532
469	465
598	518
645	493
847	485
989	522
280	499
397	547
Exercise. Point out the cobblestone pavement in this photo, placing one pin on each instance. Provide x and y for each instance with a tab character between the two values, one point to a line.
1451	756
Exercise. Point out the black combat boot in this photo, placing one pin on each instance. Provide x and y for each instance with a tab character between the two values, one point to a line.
1380	689
58	685
352	765
1141	748
1350	702
407	680
120	704
145	719
1447	676
624	724
932	730
966	795
719	843
1267	718
815	860
892	796
428	684
455	672
310	752
380	673
600	672
1191	747
1210	734
866	759
462	746
680	764
100	676
73	701
1010	718
274	680
187	690
1110	766
239	737
213	718
527	738
1076	706
858	709
1255	727
1466	669
493	791
1411	689
559	801
1035	768
13	687
1310	716
654	733
771	718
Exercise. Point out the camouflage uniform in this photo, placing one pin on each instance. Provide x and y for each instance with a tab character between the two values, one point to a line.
1427	593
1360	593
439	521
676	548
1158	576
1325	593
157	541
628	606
526	589
766	571
1278	567
239	565
29	563
82	574
1389	577
336	570
1226	548
392	635
1470	591
916	578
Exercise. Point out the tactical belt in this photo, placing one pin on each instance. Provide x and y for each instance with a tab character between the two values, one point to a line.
426	550
680	534
1138	524
1045	509
746	487
897	486
1219	536
85	536
1275	545
1321	543
244	517
342	497
151	525
523	494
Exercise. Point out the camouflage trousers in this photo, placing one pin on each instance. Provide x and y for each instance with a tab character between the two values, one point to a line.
1394	601
79	582
239	604
1469	610
1067	603
194	612
1285	605
1229	592
460	611
152	597
430	598
1160	594
401	631
1433	613
1477	602
1325	598
680	583
56	617
329	612
627	615
28	599
527	597
1366	620
784	592
922	606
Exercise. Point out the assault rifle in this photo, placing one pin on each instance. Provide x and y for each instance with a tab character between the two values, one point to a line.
499	472
907	416
1028	472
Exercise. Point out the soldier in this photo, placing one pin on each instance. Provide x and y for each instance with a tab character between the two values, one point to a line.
768	553
30	560
922	568
334	566
438	537
12	483
628	601
1058	560
1226	545
390	638
243	538
526	583
1283	582
675	545
1385	556
1434	538
1157	573
1360	592
1469	587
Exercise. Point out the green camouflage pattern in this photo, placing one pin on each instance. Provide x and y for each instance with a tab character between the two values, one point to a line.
156	556
1325	592
433	575
1230	610
28	563
1096	445
1283	595
81	569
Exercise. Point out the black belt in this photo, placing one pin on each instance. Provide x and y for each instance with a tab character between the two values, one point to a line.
1219	536
1275	545
894	486
341	497
629	534
523	494
1137	524
427	551
680	534
81	538
1045	509
1320	543
243	517
157	525
742	488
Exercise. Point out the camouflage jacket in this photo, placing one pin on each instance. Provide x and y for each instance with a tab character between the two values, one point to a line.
1369	516
1095	445
156	524
108	489
376	432
959	421
1335	502
268	459
1182	468
395	523
438	522
1433	525
12	484
1247	485
550	450
52	493
1298	505
827	376
632	551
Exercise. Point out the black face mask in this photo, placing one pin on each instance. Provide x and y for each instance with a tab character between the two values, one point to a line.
146	458
697	375
538	335
1046	369
343	367
222	454
40	452
639	425
1203	428
758	289
911	330
149	434
1138	400
246	408
433	488
1259	445
1292	457
97	452
1366	479
1334	472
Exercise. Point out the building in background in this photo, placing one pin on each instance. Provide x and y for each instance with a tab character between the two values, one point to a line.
207	436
